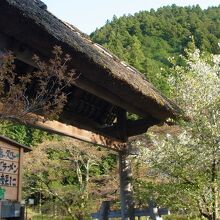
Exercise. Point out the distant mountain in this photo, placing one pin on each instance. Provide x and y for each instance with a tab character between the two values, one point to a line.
147	39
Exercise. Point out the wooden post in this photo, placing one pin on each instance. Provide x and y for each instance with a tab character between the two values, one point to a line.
103	215
125	173
21	152
126	190
154	212
22	215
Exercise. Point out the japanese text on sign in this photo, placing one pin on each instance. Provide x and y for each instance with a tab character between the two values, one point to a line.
8	180
8	154
8	167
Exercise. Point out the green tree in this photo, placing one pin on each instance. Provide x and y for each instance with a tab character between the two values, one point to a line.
187	162
135	54
25	135
148	38
68	173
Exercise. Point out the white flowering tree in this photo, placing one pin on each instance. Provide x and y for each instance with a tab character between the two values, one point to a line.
187	163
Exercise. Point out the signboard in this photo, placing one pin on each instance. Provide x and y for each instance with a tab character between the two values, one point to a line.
10	161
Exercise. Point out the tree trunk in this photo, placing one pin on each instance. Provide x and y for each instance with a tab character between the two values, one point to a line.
215	208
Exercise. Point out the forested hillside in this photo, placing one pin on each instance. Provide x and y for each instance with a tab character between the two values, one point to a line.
147	39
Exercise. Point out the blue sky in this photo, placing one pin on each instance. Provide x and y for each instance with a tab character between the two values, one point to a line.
87	15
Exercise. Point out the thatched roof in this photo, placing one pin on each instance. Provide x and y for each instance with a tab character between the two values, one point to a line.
106	88
37	28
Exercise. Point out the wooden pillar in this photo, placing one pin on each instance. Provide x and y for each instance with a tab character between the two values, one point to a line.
126	189
103	214
22	215
125	173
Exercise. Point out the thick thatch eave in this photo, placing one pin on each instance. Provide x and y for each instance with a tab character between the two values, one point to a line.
102	73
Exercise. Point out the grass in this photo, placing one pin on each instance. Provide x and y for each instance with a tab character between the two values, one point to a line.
179	217
46	217
171	217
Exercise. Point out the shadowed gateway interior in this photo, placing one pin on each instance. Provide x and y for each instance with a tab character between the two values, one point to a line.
81	105
83	109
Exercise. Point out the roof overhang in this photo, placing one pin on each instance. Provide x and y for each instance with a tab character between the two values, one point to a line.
27	29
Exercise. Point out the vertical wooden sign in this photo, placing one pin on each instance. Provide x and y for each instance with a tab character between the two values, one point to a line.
11	157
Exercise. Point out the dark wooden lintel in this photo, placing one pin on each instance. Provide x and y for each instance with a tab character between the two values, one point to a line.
121	125
140	126
133	128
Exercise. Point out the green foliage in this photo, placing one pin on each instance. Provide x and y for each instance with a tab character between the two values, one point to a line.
23	134
44	217
67	173
186	163
108	163
147	39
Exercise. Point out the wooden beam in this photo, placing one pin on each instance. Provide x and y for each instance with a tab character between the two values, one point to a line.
84	135
116	131
20	51
101	92
74	132
121	124
140	126
133	128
